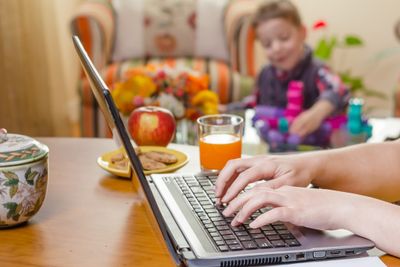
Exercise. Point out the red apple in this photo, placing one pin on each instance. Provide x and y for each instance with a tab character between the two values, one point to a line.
151	126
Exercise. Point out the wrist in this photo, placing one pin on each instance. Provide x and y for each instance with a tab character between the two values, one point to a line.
322	109
317	164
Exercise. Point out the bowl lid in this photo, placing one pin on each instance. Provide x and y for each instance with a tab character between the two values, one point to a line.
18	149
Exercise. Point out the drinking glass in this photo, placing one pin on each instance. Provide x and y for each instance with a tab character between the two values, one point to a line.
220	139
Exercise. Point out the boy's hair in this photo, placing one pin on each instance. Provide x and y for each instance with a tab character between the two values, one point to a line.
273	9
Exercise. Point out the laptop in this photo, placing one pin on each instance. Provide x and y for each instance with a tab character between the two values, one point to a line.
192	225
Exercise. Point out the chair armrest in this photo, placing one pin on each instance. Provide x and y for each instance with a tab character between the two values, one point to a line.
240	35
94	23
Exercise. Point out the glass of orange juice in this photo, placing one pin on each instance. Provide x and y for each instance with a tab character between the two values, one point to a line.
220	139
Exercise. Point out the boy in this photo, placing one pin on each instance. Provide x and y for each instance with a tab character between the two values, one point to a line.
280	30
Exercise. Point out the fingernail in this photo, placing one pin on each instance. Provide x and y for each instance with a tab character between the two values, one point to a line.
234	223
226	212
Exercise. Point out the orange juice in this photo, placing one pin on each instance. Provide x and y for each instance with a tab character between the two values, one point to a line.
217	149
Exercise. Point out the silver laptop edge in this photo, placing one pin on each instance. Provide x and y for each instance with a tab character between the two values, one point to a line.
183	232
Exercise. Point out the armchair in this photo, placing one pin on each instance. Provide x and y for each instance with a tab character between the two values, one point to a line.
211	36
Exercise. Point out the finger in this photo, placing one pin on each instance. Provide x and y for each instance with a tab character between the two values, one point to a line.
250	175
237	203
229	173
279	181
263	198
283	214
296	125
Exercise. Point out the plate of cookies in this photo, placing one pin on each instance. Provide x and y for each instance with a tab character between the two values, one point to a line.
154	159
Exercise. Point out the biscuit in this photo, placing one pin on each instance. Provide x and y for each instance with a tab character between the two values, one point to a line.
163	157
150	164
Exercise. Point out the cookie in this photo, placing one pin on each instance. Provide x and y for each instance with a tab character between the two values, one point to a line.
150	164
163	157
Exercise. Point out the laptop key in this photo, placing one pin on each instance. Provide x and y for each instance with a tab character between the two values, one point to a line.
255	236
255	231
228	237
223	248
273	237
220	242
222	227
235	247
278	243
238	228
287	236
232	242
209	225
241	233
266	228
263	243
226	232
220	223
244	238
217	238
269	232
249	245
292	242
280	227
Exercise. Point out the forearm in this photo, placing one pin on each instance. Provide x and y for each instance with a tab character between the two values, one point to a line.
376	220
322	109
368	169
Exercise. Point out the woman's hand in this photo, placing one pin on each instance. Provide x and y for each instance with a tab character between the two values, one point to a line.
321	209
296	170
314	208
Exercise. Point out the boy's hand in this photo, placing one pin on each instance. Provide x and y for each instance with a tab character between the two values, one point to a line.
307	122
310	120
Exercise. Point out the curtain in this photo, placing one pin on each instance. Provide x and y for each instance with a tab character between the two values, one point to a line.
38	68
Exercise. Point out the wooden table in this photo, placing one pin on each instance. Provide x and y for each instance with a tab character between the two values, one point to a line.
89	217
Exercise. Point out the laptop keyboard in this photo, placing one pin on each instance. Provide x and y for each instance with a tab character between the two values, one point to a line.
199	192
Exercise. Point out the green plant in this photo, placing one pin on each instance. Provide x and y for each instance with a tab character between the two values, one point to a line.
324	50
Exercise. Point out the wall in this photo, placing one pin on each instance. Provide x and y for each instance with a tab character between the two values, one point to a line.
38	69
378	61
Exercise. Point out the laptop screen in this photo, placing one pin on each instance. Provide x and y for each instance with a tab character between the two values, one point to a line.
111	114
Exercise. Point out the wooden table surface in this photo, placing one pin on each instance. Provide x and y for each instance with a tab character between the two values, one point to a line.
90	218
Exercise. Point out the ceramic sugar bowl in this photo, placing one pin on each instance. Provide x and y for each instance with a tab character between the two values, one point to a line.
23	177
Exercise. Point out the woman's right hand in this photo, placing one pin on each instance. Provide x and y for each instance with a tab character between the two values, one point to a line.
294	170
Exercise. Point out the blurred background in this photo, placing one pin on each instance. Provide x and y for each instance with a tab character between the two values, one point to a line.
39	71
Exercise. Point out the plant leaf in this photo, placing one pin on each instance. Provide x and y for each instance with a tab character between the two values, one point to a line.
30	176
352	40
11	182
13	190
11	206
324	48
10	175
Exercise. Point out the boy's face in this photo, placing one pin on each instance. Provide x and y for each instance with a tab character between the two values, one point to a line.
283	42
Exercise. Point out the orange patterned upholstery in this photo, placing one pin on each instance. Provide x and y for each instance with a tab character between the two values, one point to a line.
95	23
